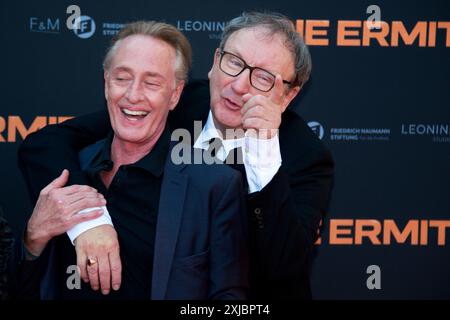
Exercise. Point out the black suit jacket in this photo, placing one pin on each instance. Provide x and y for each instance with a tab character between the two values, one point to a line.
284	217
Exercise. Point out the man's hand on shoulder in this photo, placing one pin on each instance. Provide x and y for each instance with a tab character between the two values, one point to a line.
57	209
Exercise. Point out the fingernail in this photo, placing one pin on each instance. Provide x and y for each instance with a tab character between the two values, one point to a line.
95	288
105	292
116	287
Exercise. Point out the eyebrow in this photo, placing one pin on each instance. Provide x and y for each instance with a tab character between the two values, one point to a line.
147	73
235	53
255	66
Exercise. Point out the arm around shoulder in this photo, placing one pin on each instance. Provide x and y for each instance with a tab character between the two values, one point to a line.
45	153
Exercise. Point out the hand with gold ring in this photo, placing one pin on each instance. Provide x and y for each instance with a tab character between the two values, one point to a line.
92	272
98	258
91	261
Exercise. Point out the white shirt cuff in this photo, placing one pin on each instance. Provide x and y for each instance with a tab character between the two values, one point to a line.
262	159
78	229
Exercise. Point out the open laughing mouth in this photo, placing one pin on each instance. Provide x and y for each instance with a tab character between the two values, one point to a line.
134	115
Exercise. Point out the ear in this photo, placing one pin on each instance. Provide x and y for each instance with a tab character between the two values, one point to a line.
105	77
289	96
176	94
215	61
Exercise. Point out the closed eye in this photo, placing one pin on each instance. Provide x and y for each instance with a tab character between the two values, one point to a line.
120	79
152	84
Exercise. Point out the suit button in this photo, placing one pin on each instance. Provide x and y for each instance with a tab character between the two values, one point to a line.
258	211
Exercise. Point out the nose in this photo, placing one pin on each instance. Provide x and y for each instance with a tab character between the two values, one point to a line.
134	92
241	83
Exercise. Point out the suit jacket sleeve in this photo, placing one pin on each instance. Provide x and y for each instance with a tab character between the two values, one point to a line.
284	222
229	250
26	275
45	153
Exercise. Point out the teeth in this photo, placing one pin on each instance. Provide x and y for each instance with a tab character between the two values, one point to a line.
134	113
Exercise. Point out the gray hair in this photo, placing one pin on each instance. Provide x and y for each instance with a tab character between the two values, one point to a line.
161	31
275	23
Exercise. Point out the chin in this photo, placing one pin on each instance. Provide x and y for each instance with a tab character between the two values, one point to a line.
229	119
130	136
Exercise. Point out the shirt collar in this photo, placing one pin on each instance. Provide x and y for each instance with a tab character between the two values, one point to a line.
102	158
209	132
153	162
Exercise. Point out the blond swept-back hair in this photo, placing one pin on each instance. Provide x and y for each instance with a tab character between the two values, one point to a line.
161	31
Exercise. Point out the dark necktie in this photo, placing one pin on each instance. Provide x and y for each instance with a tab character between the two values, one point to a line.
234	158
236	161
214	145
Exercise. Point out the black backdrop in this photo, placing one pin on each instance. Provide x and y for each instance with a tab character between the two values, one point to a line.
383	110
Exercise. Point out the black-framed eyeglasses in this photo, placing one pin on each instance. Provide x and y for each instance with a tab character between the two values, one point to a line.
234	65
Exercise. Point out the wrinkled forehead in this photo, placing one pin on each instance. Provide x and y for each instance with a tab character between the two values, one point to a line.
260	39
260	33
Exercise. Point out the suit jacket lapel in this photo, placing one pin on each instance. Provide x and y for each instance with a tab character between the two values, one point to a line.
170	212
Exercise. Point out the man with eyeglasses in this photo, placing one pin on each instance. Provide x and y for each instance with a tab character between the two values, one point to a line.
234	65
260	66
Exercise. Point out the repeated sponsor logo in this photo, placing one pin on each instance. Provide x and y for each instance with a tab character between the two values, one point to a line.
44	25
82	26
317	128
85	27
213	29
110	29
437	132
372	31
360	134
